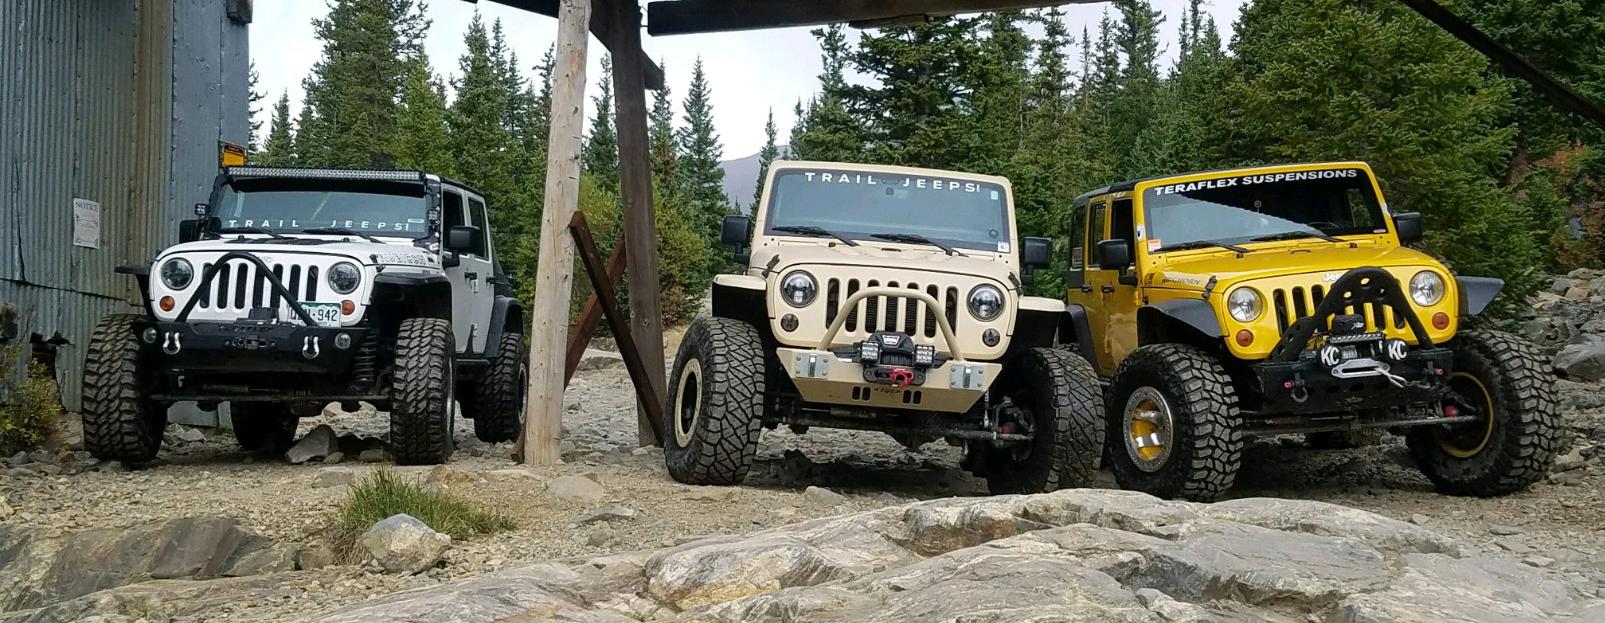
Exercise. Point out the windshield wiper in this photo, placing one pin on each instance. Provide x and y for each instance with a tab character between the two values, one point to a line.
1202	244
1295	235
810	230
246	230
340	231
916	239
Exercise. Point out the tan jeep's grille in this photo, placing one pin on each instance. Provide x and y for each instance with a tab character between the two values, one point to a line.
240	286
1298	302
887	313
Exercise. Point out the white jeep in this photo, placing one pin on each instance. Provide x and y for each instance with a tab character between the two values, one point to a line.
294	288
886	299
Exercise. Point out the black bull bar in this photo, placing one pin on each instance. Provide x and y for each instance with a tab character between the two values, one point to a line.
1355	289
264	270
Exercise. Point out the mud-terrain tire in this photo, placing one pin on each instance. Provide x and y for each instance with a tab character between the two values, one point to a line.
263	426
1188	392
422	412
1515	448
714	403
497	404
1060	391
120	422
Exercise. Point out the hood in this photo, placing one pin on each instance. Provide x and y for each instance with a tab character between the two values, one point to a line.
368	253
1194	269
892	256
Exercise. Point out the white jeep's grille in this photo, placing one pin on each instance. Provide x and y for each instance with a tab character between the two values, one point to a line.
240	286
886	313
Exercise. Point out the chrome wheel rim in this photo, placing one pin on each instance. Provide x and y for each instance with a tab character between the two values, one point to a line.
1149	429
687	402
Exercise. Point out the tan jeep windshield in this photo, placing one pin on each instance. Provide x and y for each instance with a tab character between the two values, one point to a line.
965	214
1242	208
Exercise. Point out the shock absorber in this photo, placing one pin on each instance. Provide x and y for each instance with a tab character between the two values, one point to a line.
364	364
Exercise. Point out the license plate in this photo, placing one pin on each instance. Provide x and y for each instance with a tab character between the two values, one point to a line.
325	314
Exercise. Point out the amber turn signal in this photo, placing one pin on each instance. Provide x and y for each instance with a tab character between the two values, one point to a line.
167	303
1440	321
347	308
1245	337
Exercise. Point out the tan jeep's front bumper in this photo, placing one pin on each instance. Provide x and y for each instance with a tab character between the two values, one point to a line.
822	377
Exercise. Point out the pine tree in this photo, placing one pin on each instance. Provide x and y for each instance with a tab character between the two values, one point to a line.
600	156
796	146
423	142
999	97
311	146
1138	99
355	88
663	147
279	148
827	131
921	74
766	156
701	177
254	111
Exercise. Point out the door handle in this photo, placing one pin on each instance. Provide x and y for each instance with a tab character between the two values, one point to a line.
1086	289
474	276
1108	289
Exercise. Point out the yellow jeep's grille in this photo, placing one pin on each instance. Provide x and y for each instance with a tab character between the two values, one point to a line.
240	286
885	313
1294	303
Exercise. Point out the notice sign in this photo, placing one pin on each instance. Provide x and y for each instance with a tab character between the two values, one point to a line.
231	155
85	223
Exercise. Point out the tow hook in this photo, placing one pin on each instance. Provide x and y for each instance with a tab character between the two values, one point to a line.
1300	393
172	344
900	377
309	348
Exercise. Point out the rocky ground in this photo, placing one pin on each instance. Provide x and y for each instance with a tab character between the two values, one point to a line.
71	527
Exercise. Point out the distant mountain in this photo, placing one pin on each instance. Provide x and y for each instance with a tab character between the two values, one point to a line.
740	177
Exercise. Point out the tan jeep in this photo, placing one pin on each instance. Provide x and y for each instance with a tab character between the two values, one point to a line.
886	299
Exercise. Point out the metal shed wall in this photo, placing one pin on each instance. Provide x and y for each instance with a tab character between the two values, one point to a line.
88	91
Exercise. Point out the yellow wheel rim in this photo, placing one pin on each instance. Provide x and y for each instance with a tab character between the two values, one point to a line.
1454	440
1149	429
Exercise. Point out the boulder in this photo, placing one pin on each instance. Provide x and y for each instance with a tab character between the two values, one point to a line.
318	443
573	488
403	544
376	455
1582	359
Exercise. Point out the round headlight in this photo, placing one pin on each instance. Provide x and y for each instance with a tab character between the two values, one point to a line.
1426	288
177	273
344	277
798	289
986	303
1245	304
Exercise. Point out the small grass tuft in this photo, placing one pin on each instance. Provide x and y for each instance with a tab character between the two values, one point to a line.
384	493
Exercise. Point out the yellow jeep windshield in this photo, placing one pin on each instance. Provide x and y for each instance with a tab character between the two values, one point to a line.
1245	208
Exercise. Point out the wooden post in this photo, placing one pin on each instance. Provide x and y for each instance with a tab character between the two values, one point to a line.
635	181
608	302
554	277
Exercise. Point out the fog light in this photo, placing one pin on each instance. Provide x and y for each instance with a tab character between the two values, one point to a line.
1331	356
788	322
990	337
149	335
1396	349
1440	321
1245	337
347	308
924	354
869	351
166	303
342	341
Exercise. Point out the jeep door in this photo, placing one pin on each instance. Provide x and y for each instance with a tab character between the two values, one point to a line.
1110	296
471	291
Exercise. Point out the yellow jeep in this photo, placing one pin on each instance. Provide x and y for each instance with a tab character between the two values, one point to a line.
1276	300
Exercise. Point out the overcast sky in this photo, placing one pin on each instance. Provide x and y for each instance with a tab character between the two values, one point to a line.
749	72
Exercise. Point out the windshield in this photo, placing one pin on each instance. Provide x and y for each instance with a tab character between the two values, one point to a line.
965	214
374	208
1336	202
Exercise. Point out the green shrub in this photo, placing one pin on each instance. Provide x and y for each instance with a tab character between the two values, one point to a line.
384	493
28	401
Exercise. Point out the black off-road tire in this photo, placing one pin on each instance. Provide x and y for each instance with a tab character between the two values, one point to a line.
714	404
1206	446
1060	391
120	422
497	404
1523	437
423	407
263	426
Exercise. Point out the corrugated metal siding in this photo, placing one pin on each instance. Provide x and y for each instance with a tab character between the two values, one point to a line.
210	82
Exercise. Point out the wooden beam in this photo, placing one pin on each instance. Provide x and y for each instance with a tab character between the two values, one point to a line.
640	375
683	17
580	337
554	276
602	25
640	222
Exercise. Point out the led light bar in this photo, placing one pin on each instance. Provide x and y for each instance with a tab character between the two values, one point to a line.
869	351
924	354
326	174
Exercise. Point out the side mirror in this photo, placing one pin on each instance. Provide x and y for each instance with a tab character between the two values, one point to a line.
462	238
1408	226
1036	252
1114	255
734	230
189	230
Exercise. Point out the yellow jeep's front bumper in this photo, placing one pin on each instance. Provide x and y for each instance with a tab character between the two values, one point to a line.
823	377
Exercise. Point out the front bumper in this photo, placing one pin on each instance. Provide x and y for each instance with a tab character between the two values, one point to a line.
248	347
823	377
1307	387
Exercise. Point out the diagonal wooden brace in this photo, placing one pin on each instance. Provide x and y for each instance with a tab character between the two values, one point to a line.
645	391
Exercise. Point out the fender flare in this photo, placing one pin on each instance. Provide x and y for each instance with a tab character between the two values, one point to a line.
505	307
1195	313
1477	292
1081	329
